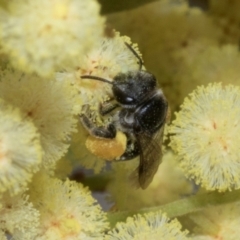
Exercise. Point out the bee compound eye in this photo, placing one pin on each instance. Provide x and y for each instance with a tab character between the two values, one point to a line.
122	96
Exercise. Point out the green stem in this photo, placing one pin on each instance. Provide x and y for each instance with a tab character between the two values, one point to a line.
181	207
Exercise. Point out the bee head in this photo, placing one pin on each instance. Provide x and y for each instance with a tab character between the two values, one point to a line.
130	88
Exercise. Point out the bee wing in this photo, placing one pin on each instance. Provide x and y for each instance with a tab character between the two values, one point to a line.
150	156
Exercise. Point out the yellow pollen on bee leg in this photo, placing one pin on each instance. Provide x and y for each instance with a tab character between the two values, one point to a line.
107	149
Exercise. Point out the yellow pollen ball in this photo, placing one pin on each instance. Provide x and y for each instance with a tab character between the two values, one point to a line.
108	149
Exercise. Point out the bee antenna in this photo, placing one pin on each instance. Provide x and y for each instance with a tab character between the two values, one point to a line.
96	78
140	61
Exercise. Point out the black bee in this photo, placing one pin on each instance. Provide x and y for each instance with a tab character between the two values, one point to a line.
140	113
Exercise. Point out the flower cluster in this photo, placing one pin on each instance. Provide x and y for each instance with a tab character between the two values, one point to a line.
149	226
57	65
219	222
18	217
206	135
38	116
49	104
67	209
45	36
20	149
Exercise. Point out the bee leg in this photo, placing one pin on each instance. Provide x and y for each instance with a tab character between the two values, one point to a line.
107	107
131	152
101	132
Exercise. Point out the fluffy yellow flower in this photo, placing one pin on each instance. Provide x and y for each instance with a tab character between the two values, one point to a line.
18	217
20	149
206	136
215	223
109	57
152	226
43	35
67	210
51	105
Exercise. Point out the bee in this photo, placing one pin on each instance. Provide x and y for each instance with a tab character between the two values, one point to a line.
140	112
